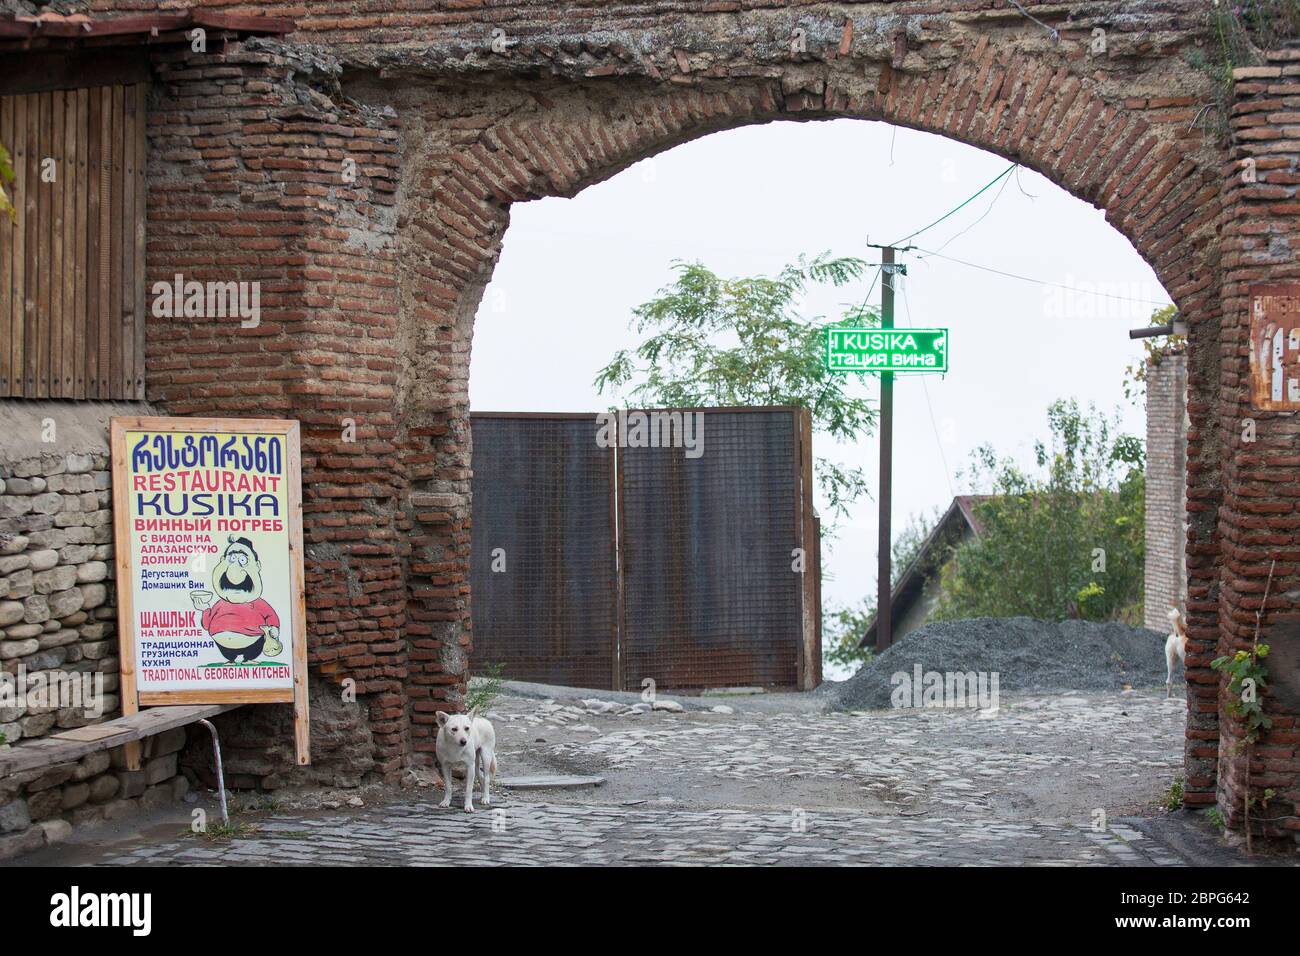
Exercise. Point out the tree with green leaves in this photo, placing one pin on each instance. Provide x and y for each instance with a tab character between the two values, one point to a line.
1064	542
711	340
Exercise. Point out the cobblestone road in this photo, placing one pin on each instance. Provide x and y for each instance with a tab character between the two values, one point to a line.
1055	756
1022	786
530	834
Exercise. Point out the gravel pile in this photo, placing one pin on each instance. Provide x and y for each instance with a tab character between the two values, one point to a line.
1027	655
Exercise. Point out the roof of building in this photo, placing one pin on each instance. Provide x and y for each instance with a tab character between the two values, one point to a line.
959	518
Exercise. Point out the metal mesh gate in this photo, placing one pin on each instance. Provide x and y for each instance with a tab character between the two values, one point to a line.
683	574
709	595
543	510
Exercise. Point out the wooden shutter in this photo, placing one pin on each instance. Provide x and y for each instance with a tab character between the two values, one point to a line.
72	293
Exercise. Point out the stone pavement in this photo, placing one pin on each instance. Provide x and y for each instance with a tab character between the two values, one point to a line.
1044	780
1107	751
530	834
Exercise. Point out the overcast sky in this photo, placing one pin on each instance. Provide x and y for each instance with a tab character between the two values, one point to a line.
745	202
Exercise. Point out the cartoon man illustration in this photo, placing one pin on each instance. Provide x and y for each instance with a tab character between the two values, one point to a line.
239	621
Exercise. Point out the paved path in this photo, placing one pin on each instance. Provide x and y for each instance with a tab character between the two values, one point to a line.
593	834
1060	757
1044	780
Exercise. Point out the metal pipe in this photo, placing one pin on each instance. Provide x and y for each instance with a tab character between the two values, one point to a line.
221	777
1175	326
1151	331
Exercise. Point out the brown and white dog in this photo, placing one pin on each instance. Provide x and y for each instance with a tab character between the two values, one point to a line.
1175	646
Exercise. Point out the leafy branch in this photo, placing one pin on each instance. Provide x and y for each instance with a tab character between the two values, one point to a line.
1072	528
480	698
712	340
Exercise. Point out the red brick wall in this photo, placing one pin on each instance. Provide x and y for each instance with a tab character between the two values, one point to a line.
245	184
1259	520
374	286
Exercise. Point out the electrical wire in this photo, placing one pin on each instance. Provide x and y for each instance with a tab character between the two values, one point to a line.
871	288
924	253
934	425
1022	189
996	197
958	207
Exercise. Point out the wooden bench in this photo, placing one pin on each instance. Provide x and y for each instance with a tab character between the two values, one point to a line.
72	745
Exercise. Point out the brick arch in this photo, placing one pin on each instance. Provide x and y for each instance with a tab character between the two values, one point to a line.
1156	191
1161	189
374	316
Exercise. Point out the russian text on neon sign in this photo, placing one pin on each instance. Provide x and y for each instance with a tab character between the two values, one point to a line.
887	350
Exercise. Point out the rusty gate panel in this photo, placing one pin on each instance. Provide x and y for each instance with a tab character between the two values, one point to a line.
709	596
543	493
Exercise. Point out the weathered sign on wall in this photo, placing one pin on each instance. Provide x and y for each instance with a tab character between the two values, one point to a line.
1275	347
209	563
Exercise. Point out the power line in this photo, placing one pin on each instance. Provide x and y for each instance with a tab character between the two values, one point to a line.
947	472
922	253
996	197
1022	189
871	288
958	207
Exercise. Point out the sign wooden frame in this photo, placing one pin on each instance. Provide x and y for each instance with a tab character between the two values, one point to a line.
132	699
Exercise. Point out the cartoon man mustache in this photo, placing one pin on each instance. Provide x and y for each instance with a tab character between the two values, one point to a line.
240	622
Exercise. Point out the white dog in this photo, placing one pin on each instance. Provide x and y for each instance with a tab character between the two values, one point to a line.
467	740
1175	646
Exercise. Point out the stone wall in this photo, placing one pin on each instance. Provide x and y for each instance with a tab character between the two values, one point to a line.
58	623
42	806
55	613
56	537
1166	489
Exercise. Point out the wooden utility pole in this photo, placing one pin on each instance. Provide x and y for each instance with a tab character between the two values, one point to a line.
854	349
884	596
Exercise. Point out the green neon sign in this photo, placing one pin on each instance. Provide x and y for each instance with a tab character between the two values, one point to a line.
887	350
